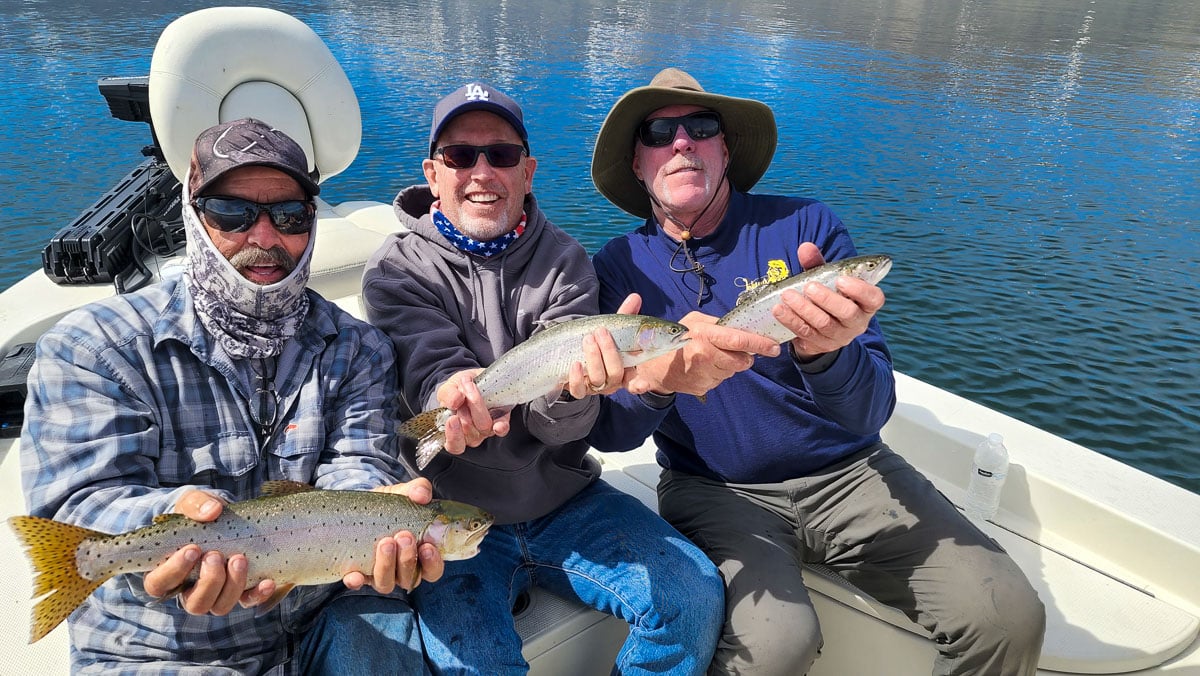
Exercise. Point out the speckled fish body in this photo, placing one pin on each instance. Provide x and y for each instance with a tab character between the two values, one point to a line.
753	309
293	535
541	365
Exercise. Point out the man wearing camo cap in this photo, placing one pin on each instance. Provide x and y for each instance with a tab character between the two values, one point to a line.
189	394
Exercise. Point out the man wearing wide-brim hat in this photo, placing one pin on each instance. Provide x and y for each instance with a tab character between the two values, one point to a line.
777	460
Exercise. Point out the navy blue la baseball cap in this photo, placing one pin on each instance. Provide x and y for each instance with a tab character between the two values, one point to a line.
476	96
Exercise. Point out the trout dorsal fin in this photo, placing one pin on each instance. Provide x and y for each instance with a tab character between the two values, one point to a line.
169	516
753	293
274	489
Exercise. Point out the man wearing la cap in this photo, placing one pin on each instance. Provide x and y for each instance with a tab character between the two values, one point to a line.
478	270
782	463
191	393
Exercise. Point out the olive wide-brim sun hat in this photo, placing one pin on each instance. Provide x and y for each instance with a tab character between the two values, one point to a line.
749	127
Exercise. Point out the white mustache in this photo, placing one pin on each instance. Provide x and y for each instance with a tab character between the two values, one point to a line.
684	163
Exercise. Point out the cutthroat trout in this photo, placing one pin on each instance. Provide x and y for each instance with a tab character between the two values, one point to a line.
541	365
753	309
293	534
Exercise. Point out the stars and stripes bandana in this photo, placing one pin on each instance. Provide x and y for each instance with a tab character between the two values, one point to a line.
470	244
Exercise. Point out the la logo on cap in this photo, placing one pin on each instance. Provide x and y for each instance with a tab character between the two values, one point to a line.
476	92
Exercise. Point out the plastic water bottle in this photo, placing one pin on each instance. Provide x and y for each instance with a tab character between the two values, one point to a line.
987	478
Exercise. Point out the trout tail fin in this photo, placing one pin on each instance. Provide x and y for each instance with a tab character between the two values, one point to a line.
51	546
429	429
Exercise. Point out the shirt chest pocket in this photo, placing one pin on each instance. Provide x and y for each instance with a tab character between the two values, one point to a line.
222	460
296	444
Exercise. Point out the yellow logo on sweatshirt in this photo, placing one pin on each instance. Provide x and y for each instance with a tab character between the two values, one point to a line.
777	270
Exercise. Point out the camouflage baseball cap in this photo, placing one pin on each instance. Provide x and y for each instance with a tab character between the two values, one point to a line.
247	142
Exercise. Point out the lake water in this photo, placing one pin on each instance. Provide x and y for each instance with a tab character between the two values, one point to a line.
1032	165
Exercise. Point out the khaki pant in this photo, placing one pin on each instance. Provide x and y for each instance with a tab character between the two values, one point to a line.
880	524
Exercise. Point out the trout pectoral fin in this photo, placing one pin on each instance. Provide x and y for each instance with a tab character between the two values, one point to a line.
428	448
280	592
278	487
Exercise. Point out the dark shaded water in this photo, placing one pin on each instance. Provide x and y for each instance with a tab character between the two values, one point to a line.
1032	165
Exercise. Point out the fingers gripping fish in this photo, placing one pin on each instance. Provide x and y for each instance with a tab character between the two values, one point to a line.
541	366
293	534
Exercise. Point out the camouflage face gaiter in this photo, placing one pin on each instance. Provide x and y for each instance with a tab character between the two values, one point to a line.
249	320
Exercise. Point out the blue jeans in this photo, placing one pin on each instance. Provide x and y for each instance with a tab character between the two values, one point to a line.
362	634
603	548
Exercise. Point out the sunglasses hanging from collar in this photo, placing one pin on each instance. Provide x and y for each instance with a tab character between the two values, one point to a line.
264	403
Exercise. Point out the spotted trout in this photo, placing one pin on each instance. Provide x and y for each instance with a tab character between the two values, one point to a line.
293	534
752	312
541	365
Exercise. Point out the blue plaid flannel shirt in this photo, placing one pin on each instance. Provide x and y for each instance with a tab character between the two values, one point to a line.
129	407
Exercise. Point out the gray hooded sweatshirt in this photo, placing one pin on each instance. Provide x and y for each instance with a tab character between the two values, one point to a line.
447	310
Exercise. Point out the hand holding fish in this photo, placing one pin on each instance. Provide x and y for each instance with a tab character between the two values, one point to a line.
400	559
824	320
818	310
222	583
602	371
539	367
470	421
293	534
712	355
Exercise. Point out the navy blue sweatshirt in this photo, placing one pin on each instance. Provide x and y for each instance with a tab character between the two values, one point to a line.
777	420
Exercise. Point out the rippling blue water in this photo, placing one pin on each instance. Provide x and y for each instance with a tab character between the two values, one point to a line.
1032	165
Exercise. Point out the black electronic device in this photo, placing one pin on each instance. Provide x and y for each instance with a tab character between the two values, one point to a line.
14	369
128	99
105	243
139	215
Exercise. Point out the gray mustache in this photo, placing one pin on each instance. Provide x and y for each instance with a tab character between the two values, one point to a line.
253	255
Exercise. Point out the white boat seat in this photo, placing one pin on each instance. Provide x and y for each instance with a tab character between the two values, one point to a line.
224	63
1094	624
347	235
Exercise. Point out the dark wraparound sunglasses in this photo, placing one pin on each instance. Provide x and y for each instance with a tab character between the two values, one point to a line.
661	130
233	214
499	155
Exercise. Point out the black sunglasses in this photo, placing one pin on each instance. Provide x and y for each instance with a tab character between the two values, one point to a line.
661	130
499	155
234	214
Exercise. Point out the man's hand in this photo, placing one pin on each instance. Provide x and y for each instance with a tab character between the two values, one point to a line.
222	583
603	371
471	422
823	320
713	354
400	559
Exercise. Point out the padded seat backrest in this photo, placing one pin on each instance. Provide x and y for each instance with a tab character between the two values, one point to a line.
225	63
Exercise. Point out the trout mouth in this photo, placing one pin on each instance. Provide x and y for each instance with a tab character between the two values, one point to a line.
470	546
459	538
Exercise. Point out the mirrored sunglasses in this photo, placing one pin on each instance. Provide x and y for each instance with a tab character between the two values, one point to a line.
661	130
499	155
233	214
